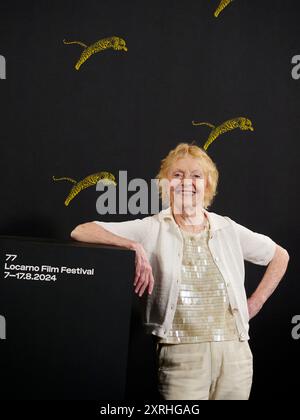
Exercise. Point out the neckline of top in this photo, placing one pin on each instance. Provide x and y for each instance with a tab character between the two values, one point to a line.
195	234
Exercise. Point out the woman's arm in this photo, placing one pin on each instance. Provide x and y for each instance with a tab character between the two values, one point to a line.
92	232
272	277
262	250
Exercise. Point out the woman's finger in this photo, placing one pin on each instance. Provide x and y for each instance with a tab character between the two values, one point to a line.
137	269
140	282
144	285
151	284
144	278
136	278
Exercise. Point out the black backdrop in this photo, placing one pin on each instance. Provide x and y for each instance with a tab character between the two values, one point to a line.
125	111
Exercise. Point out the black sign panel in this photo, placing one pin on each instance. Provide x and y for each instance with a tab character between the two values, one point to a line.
64	319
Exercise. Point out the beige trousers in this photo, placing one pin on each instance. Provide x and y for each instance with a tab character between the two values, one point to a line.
205	371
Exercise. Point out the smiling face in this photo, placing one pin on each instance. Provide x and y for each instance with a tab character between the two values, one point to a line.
187	184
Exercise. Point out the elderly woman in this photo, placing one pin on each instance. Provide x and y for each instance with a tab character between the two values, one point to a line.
191	263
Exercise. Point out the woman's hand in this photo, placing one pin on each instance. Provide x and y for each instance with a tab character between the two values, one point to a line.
143	271
254	306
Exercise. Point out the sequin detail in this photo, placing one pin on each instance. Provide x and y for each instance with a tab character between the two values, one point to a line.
203	312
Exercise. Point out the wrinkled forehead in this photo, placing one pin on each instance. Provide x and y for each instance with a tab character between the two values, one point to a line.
187	164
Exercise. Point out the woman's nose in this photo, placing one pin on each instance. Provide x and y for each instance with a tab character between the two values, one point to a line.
187	180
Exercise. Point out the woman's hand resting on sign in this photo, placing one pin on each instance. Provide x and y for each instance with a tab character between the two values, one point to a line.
93	233
143	271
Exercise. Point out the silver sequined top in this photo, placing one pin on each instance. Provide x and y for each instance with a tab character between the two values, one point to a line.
203	313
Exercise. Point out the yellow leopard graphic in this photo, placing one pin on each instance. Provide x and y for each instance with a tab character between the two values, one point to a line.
113	42
241	122
223	4
106	177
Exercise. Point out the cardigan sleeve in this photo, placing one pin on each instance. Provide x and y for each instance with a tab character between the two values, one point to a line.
136	230
256	247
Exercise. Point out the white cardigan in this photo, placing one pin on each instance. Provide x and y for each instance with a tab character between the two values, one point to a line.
230	244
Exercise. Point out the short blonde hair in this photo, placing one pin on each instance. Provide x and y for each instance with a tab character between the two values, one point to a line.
209	168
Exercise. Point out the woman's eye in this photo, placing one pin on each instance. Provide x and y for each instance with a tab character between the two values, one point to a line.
198	176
